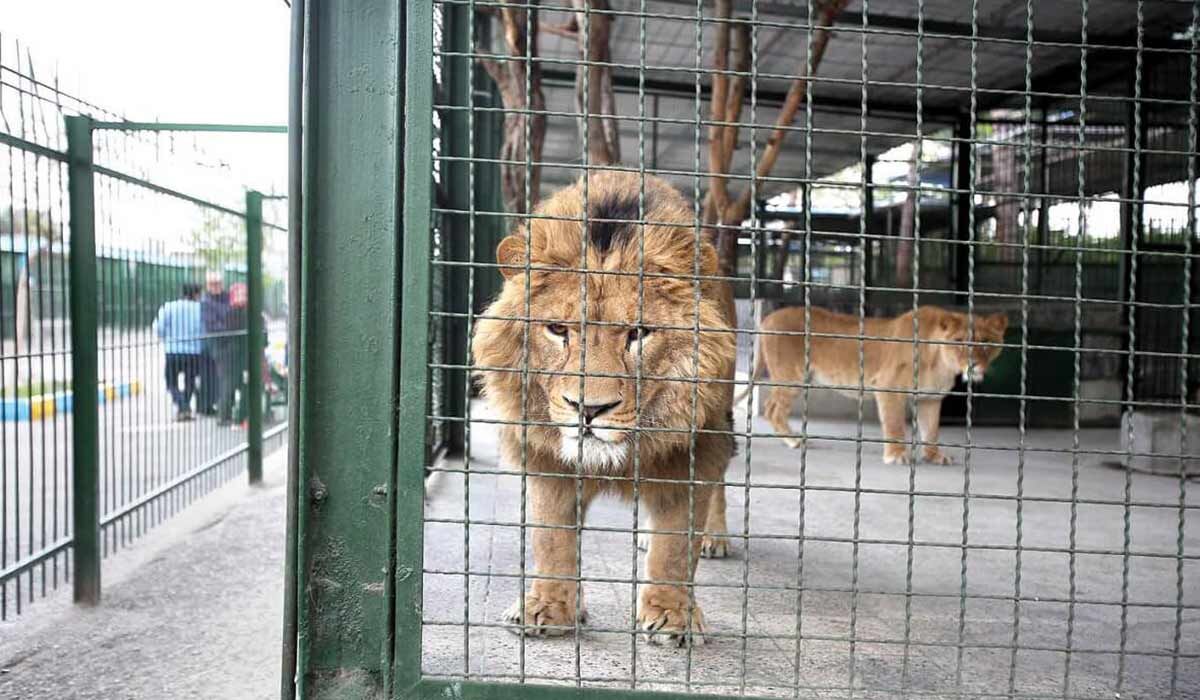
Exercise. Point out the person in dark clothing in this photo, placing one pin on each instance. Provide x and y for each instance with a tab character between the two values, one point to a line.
236	346
179	327
215	312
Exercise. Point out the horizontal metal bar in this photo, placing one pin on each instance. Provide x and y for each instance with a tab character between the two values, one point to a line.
183	126
783	486
185	478
1048	600
979	447
715	634
34	559
35	148
503	686
171	485
133	180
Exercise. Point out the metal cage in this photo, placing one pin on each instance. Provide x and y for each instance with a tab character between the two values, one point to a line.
1035	160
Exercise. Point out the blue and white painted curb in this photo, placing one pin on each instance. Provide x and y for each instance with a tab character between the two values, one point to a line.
47	405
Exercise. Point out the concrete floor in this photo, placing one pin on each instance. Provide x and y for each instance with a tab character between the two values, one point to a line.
955	647
193	609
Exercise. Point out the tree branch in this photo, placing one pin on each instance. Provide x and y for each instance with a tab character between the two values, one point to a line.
787	114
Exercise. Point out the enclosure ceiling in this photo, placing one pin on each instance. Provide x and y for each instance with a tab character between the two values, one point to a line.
669	84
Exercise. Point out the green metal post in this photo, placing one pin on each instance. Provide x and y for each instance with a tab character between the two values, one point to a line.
85	496
351	171
255	341
414	348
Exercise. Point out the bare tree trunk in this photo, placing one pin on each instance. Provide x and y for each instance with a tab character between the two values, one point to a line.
717	199
787	114
597	105
524	112
736	95
728	95
908	216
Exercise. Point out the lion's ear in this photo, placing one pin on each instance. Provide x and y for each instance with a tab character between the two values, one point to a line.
999	321
511	253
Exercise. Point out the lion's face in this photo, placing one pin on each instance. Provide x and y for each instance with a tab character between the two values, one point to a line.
608	351
973	359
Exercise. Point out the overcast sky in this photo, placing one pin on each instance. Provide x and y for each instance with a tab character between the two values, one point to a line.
223	61
170	60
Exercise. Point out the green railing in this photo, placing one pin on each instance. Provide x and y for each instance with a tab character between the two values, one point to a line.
95	449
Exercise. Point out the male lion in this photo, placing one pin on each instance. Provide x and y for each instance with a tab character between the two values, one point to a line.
942	348
588	407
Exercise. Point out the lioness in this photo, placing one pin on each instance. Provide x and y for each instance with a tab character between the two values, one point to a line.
591	425
942	348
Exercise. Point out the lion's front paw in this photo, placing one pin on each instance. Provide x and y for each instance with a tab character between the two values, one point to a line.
548	615
643	542
895	454
663	616
714	547
935	456
793	442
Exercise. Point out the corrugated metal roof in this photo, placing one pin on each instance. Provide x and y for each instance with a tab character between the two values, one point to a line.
666	119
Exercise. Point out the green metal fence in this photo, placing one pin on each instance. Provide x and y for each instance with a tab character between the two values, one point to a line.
118	405
1035	160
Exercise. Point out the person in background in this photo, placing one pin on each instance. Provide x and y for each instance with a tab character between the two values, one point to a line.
181	330
215	312
236	347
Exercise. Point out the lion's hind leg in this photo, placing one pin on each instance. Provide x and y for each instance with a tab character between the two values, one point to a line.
779	409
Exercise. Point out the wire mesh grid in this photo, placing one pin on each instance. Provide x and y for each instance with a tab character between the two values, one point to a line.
972	216
152	240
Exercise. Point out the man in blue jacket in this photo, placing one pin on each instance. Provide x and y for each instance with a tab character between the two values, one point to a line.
181	330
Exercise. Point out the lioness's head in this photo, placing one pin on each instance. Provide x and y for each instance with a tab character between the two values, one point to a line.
980	345
586	340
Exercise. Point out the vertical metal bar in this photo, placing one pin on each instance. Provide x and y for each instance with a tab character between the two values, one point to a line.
296	73
413	327
85	497
1133	178
1043	229
254	337
456	142
963	249
868	215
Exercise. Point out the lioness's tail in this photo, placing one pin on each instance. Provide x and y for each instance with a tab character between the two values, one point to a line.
756	374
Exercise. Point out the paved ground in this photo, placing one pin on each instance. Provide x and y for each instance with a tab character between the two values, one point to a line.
192	610
755	592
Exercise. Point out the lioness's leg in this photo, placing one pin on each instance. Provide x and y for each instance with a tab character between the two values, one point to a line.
550	603
779	408
664	609
714	544
929	418
891	419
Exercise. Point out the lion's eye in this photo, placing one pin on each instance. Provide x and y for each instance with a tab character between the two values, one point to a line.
637	334
557	329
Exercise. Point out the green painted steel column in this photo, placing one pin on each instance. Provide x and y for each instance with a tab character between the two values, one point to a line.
85	479
351	172
414	348
255	340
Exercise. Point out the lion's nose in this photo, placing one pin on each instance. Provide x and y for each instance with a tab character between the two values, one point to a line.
591	410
